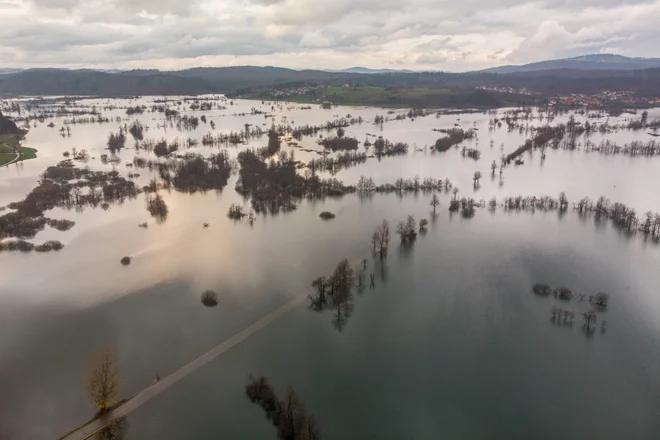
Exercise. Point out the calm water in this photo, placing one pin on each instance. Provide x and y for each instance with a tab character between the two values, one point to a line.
451	343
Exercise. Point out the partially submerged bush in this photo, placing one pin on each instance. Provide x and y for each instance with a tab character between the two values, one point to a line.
52	245
564	293
209	298
126	261
16	245
60	225
157	206
236	212
143	225
601	299
327	215
541	289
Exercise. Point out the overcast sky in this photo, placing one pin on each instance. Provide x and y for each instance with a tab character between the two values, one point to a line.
454	35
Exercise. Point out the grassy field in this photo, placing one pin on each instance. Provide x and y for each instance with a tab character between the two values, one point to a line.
368	95
382	97
9	146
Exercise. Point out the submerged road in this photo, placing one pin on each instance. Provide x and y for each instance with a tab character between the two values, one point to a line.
154	390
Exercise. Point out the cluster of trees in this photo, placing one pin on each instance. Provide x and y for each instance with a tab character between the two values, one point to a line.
467	206
622	216
287	415
116	141
63	186
233	138
162	149
336	293
26	246
472	153
366	185
194	172
635	148
380	239
543	136
274	142
332	165
383	147
136	110
311	130
136	130
339	143
275	186
543	203
454	137
157	207
407	230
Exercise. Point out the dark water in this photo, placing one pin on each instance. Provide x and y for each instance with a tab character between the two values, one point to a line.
450	344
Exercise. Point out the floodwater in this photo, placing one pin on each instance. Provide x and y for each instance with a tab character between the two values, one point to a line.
450	344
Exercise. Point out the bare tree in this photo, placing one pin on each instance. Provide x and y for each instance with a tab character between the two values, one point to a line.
476	177
103	379
381	239
435	201
589	318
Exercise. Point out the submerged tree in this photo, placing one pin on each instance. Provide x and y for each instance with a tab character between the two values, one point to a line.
288	415
476	178
157	207
320	301
380	239
435	201
589	319
103	379
601	299
407	230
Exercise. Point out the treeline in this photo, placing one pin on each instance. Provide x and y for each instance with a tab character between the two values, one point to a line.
332	165
287	415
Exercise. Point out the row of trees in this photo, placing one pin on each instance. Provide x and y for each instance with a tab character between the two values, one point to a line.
287	415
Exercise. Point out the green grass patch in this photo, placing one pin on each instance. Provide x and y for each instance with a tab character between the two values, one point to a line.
9	146
395	97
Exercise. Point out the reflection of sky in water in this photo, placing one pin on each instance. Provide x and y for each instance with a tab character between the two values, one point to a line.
458	297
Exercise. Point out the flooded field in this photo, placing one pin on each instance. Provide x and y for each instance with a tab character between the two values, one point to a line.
450	342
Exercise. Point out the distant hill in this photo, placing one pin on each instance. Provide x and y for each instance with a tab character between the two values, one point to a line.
587	62
366	70
92	82
253	80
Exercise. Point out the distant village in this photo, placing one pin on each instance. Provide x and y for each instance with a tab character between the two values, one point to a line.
602	99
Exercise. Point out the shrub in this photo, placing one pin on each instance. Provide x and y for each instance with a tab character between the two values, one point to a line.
125	261
48	246
327	215
564	293
209	298
236	212
541	289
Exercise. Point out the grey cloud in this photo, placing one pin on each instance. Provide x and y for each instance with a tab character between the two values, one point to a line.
421	34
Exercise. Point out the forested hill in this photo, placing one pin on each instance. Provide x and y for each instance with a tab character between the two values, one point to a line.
245	79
